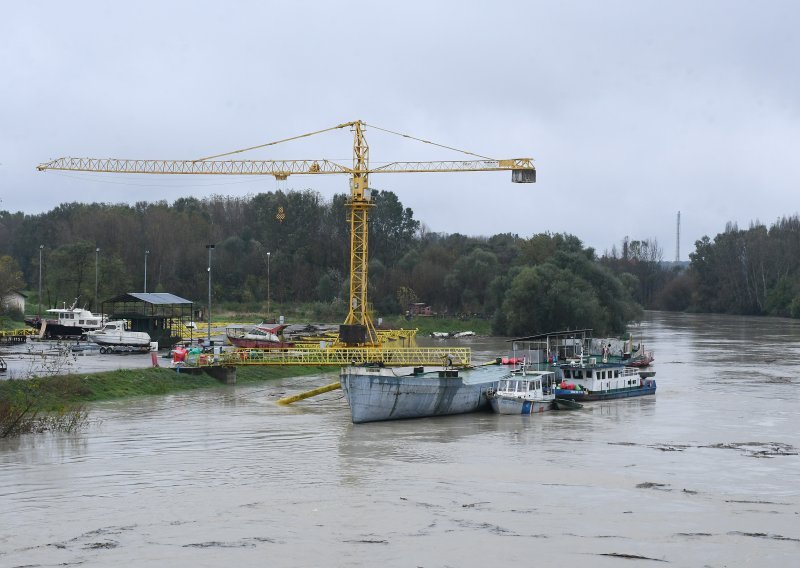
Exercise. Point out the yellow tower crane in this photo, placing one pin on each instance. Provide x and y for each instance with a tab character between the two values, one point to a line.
358	328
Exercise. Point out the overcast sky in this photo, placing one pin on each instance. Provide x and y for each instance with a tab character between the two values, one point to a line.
632	110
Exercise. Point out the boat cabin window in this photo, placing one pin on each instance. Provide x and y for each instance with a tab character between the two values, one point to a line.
567	374
616	374
578	374
588	374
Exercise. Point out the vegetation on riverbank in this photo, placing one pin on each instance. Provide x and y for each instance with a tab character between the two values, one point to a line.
58	402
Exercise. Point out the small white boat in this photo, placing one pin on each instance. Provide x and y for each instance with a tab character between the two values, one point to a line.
529	392
115	334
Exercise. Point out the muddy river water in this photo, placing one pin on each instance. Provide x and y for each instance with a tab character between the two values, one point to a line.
706	473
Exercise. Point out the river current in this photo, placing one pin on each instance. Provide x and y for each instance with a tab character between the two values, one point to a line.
704	473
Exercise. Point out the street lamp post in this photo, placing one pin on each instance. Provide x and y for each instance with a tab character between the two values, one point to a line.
268	305
96	259
210	248
39	311
145	270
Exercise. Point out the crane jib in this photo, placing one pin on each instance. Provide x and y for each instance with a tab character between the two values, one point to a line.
358	328
522	168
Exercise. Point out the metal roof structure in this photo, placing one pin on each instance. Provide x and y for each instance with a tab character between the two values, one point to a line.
566	333
162	315
157	298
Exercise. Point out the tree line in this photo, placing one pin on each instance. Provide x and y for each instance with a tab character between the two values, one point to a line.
297	245
295	248
753	271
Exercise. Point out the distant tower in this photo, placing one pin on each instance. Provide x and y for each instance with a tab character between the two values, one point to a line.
678	240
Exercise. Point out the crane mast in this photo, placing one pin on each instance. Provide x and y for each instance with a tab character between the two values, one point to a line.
359	204
358	328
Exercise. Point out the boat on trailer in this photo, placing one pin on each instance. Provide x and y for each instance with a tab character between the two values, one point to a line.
528	392
115	336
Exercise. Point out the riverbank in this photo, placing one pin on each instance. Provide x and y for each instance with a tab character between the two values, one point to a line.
54	393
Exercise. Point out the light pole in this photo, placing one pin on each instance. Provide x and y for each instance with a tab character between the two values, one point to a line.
96	259
145	270
39	311
210	248
268	310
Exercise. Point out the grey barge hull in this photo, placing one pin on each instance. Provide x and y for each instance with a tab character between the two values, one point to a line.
385	393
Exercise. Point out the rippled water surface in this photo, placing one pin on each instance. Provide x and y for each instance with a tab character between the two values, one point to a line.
706	473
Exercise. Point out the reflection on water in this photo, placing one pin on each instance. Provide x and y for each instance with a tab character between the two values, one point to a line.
705	472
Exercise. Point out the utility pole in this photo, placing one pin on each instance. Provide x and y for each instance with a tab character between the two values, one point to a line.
96	259
678	240
268	306
39	311
145	270
210	248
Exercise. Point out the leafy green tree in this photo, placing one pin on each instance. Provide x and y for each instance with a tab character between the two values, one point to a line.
70	274
11	280
470	278
547	298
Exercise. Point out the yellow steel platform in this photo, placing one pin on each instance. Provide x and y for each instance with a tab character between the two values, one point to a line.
341	356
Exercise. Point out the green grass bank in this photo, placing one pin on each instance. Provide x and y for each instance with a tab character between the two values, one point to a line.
54	393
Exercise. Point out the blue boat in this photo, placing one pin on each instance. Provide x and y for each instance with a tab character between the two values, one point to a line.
529	392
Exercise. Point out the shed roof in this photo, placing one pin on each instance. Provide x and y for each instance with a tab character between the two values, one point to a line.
157	298
565	333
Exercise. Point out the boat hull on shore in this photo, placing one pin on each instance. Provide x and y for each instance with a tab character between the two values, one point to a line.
64	323
387	393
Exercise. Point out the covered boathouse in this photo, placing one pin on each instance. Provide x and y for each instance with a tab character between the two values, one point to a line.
162	315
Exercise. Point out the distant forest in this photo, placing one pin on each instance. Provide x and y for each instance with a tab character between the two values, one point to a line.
524	285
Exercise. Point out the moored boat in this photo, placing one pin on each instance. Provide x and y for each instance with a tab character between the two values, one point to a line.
566	404
587	380
524	393
377	393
